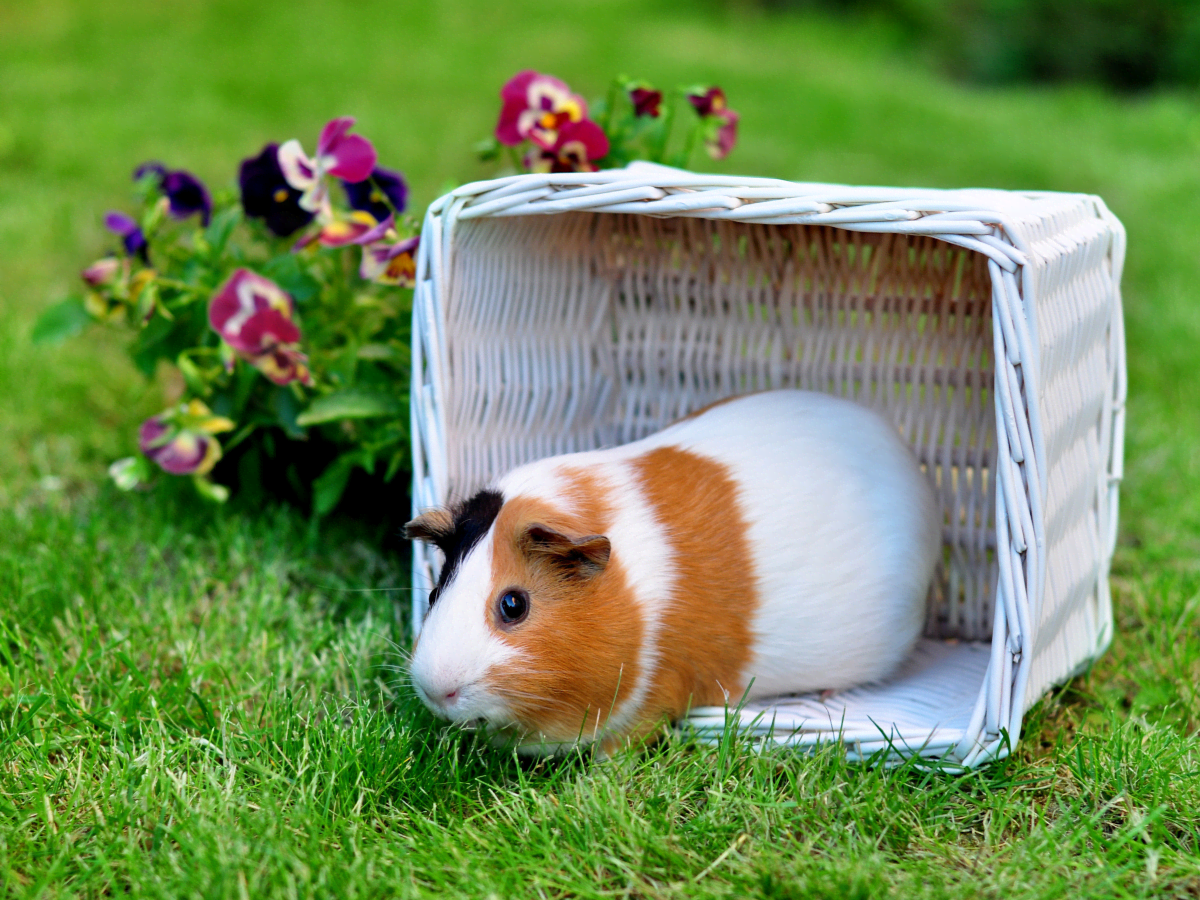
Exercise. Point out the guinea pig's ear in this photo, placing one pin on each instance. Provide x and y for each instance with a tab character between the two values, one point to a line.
436	526
582	557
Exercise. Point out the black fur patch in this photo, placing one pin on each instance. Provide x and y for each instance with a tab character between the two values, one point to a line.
472	519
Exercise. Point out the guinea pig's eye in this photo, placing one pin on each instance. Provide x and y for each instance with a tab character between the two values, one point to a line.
512	606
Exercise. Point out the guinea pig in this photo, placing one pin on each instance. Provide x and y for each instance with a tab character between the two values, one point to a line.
774	543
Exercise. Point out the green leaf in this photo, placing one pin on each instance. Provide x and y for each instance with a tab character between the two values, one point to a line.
329	486
221	227
61	321
286	406
350	404
287	272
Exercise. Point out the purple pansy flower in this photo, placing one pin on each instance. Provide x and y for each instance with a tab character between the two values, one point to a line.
180	440
386	259
536	108
349	157
254	316
338	231
579	144
186	194
380	195
646	102
130	233
267	195
720	121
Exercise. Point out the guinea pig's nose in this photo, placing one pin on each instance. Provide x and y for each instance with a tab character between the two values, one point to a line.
450	697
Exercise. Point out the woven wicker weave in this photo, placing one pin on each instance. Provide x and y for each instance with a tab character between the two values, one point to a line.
567	312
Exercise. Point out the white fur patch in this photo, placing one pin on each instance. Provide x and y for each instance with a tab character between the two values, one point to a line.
456	649
639	542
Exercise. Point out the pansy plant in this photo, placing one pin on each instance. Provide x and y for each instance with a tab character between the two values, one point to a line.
280	303
553	125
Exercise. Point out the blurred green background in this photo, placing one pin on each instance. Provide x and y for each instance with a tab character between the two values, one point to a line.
90	89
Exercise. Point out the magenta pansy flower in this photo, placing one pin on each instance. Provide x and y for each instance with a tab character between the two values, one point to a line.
349	157
578	145
536	108
254	316
646	102
721	122
180	440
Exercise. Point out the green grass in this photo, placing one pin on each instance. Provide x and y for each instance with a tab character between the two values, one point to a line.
197	702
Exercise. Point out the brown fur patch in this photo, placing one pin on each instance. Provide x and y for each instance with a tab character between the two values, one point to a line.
570	678
705	639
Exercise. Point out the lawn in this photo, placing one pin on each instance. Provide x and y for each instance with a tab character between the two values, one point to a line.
201	702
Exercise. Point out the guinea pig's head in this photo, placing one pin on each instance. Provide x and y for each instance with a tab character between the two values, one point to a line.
530	627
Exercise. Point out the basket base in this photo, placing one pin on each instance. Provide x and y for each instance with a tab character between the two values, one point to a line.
924	710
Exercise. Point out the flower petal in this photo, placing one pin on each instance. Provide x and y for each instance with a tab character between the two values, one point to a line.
284	364
588	134
352	158
378	233
102	271
250	311
380	195
341	232
391	263
707	102
517	87
179	451
726	135
298	170
153	167
646	102
334	131
119	223
187	195
267	195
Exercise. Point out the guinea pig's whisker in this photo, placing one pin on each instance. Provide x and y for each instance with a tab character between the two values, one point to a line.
512	694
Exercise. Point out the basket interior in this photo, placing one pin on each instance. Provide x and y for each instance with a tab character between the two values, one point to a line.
584	330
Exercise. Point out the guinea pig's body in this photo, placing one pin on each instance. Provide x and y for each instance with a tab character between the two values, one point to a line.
775	543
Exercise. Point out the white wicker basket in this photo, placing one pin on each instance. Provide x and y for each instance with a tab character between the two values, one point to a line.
556	313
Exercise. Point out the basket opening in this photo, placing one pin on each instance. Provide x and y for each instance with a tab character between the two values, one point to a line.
583	330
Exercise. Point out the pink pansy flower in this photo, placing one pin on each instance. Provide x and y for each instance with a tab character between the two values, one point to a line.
254	316
536	108
720	121
180	440
105	271
386	259
579	144
338	232
349	157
